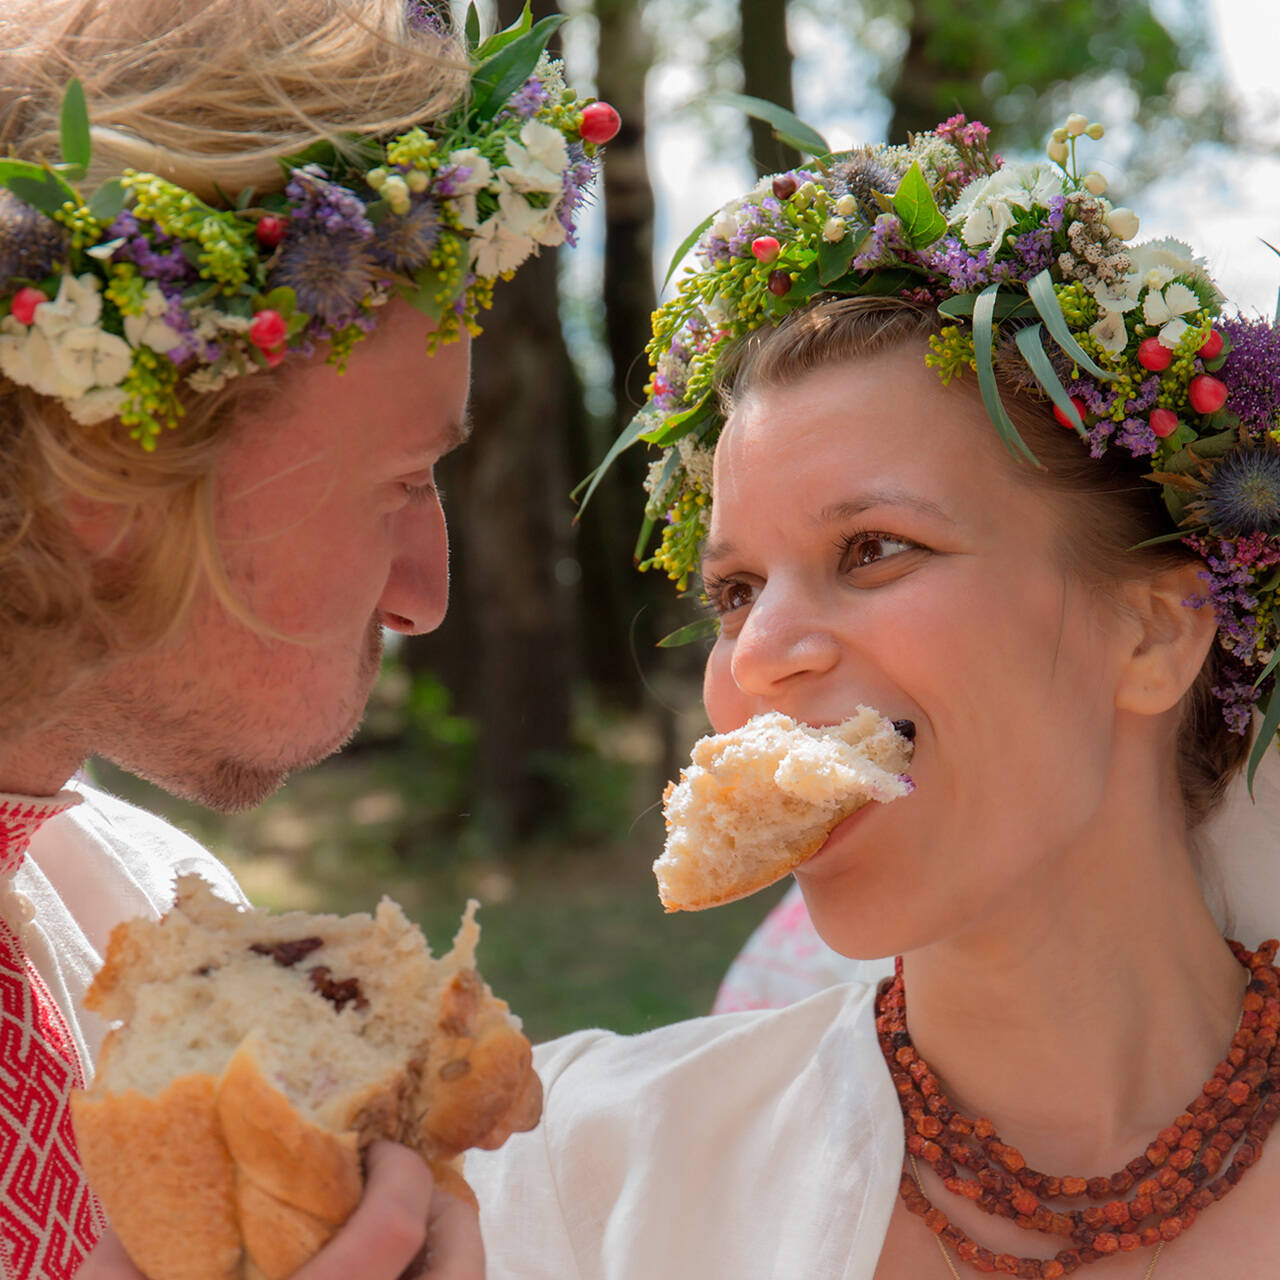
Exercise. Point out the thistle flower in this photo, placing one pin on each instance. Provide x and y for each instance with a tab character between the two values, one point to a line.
330	272
31	245
1243	494
404	243
862	176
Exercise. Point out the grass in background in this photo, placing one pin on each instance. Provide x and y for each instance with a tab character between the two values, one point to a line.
573	934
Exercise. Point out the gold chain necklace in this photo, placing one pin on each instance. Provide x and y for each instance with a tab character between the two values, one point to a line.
951	1266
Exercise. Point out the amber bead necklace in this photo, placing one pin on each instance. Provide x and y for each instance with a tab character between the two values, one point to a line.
1152	1200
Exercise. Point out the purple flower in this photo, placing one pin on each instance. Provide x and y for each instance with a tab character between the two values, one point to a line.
157	256
577	178
883	245
527	100
317	202
1251	373
423	16
965	269
1135	434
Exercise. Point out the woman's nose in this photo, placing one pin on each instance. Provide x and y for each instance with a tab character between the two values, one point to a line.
781	640
416	594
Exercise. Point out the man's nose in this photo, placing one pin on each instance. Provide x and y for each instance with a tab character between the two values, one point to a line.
416	594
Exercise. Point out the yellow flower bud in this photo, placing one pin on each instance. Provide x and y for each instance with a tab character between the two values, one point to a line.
1060	134
1123	222
1095	131
1077	124
375	178
1094	183
1057	152
418	180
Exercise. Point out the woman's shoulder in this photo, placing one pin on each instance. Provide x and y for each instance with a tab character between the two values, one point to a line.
594	1068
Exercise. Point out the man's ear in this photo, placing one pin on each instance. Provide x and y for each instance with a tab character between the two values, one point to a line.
1173	639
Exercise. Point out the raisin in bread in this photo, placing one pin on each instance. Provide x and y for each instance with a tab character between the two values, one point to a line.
256	1056
755	803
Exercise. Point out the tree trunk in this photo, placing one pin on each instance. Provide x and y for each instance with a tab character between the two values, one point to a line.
766	73
506	651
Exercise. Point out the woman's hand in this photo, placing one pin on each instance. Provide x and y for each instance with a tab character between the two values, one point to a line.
402	1227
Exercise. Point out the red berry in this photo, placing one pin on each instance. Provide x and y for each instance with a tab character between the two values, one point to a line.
271	230
24	304
274	356
784	186
1164	422
600	122
1062	417
1154	355
1213	345
766	248
268	330
1206	393
779	283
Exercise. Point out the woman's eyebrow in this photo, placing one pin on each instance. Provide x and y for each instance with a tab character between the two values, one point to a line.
835	512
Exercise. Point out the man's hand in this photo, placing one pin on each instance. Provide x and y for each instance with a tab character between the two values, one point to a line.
402	1227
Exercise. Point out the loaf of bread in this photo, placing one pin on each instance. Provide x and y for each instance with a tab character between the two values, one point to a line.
757	802
257	1055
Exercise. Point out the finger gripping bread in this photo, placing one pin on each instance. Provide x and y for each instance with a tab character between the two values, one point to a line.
755	803
256	1057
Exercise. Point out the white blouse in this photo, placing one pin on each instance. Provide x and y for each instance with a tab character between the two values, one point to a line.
764	1145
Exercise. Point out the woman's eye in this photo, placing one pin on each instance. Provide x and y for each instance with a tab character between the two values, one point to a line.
869	548
726	595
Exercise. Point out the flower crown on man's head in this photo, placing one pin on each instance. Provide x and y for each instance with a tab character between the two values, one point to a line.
110	301
1128	341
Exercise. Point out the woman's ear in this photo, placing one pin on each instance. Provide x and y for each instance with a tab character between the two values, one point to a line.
1174	636
101	528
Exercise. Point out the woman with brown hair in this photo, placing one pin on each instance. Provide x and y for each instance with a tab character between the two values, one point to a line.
981	463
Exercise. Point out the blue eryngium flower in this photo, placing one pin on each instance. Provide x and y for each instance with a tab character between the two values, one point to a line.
405	243
330	272
31	244
1243	496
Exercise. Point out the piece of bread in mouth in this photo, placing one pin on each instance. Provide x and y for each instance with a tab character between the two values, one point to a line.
256	1057
755	803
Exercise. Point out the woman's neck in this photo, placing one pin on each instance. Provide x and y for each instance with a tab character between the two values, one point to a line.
1087	1007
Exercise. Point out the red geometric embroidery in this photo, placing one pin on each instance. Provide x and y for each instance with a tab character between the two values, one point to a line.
49	1219
20	817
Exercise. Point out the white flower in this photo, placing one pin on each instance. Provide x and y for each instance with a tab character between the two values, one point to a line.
1109	332
150	329
984	209
1165	307
1094	183
66	365
464	197
1156	262
1120	295
698	462
1122	222
538	164
504	241
96	406
78	303
833	230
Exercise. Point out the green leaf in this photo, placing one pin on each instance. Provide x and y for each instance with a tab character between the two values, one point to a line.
1009	306
1031	344
1176	536
917	210
471	28
681	424
1266	734
77	148
702	629
48	193
983	338
642	539
1040	291
495	80
421	294
787	126
1216	445
500	39
107	203
686	244
1272	664
626	438
833	259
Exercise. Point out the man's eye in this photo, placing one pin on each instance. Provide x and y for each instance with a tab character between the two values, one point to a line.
421	492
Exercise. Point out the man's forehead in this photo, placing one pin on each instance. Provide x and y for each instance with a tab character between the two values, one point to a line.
438	440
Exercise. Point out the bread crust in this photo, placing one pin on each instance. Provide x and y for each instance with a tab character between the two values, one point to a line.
295	1162
162	1160
279	1237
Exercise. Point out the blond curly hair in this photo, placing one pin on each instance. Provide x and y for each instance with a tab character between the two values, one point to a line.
210	94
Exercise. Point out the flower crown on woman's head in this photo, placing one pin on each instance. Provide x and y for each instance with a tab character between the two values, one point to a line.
110	301
1128	341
